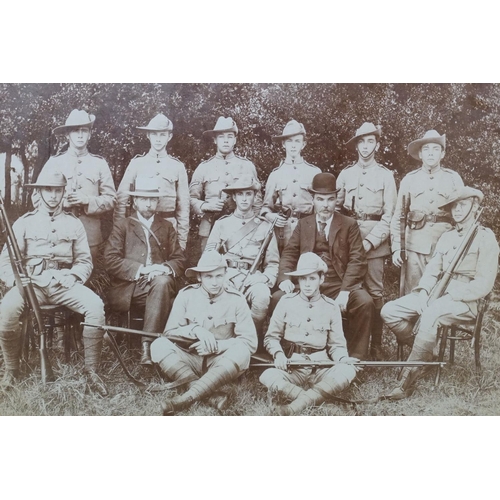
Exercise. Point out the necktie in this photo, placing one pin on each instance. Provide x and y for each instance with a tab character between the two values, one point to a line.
322	234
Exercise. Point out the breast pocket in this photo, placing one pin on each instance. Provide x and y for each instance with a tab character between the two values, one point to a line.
212	186
168	186
374	197
37	241
64	244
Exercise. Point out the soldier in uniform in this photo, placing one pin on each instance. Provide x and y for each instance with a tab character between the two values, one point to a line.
337	240
90	191
208	199
427	189
287	185
143	258
217	318
307	326
472	279
169	172
368	194
239	237
56	249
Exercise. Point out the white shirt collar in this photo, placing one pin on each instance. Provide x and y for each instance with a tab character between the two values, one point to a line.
328	224
147	222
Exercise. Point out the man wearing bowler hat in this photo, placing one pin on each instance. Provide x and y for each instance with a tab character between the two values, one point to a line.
169	172
337	240
368	195
143	258
287	198
90	191
208	200
426	188
218	320
57	255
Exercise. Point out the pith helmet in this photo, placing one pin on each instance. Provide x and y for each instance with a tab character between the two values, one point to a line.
49	179
222	125
146	187
366	129
77	118
309	263
462	194
431	136
209	261
159	123
244	182
293	127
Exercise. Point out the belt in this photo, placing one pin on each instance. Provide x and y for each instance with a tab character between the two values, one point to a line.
238	264
56	264
461	277
367	217
438	218
302	349
166	215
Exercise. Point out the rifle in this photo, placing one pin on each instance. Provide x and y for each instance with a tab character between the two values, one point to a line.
27	291
402	228
329	364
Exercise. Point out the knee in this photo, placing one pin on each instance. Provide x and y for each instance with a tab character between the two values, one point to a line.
345	373
95	310
260	295
163	282
387	312
160	348
240	355
270	377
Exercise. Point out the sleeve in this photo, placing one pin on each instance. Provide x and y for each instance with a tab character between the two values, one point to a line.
271	261
341	194
177	323
276	330
244	329
182	207
196	189
215	237
290	255
82	259
121	195
6	272
356	265
105	201
269	195
395	222
336	343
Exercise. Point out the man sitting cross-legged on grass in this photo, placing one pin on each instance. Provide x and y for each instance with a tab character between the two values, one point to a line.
218	320
307	325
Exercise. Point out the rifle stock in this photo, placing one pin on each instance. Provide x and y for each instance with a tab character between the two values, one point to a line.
402	228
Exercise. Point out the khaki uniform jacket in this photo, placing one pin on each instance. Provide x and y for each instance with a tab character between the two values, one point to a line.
374	191
172	180
227	316
248	247
59	238
316	324
288	184
427	191
476	273
90	174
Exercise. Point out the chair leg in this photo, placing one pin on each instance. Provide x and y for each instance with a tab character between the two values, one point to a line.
452	344
442	348
477	346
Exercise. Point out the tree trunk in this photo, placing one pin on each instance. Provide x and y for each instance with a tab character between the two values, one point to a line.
8	188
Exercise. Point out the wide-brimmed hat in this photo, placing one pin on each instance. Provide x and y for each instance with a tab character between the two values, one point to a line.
293	127
308	263
431	136
48	178
77	118
222	125
159	123
209	261
366	129
324	183
244	182
462	194
146	187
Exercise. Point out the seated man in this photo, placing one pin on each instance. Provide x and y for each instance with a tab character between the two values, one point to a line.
55	246
472	279
307	326
219	322
337	240
143	257
239	237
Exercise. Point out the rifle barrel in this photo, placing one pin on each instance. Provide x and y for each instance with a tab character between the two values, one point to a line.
378	364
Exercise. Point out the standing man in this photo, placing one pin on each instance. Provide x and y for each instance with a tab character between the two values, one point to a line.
218	320
337	240
169	172
208	199
90	191
143	258
307	326
287	185
472	279
239	237
368	194
55	247
427	188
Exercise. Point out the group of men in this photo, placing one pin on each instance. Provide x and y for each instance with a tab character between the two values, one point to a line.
296	271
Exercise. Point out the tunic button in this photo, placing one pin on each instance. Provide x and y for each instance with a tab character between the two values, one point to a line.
157	161
364	173
454	247
79	173
310	305
52	244
79	161
210	317
362	184
294	194
432	177
211	302
431	201
79	187
307	334
157	173
295	180
227	163
227	173
53	230
360	197
431	189
295	168
243	222
52	219
308	319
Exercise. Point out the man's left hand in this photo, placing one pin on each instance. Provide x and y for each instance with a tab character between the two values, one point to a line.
67	281
78	198
255	278
349	360
341	301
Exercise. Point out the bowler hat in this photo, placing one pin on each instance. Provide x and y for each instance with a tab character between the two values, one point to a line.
293	127
77	118
462	194
48	178
158	124
366	129
209	261
244	182
222	125
324	183
309	263
146	187
431	136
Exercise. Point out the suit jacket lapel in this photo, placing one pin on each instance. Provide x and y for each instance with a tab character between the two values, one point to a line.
334	229
138	231
310	233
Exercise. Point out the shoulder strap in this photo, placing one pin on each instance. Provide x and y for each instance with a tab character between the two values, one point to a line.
241	233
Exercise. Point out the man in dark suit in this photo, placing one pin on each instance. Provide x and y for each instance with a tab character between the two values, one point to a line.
337	240
143	257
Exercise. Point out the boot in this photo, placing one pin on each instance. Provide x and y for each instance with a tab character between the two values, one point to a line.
95	383
92	346
146	354
222	372
289	391
11	345
376	351
178	372
305	399
259	327
218	400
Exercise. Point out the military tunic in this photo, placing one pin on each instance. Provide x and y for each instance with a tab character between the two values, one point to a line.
243	254
427	191
288	185
90	175
172	180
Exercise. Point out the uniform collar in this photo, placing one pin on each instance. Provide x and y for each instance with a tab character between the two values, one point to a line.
210	296
372	164
222	157
313	299
434	171
155	155
249	215
298	161
76	154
